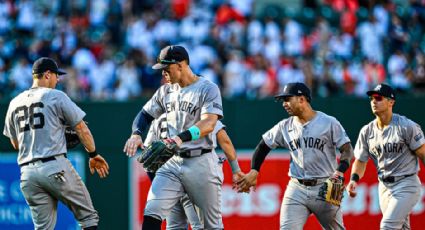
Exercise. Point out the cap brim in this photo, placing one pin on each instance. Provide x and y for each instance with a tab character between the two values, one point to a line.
159	66
371	92
283	95
61	72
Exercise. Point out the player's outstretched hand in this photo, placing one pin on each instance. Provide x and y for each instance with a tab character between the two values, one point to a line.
248	181
338	175
99	164
351	188
134	142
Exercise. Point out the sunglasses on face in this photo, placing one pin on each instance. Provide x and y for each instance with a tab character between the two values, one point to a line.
163	61
284	99
376	97
287	99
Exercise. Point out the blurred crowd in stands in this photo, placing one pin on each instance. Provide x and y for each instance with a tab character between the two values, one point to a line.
337	47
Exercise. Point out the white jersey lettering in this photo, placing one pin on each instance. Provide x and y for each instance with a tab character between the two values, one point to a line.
391	149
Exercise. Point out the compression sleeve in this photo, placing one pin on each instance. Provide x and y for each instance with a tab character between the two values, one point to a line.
343	166
141	122
259	155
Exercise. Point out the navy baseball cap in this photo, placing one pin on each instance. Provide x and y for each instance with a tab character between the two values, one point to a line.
383	90
294	89
171	55
43	64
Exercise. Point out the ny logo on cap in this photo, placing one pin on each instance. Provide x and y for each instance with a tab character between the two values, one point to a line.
378	87
284	89
299	91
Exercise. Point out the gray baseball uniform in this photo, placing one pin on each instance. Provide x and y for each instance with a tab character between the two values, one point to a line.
36	118
183	211
313	159
391	150
158	130
198	173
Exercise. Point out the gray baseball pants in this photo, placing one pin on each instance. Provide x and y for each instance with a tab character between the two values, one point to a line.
44	184
397	200
181	213
300	201
200	177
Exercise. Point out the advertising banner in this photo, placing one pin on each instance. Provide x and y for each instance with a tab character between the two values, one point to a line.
260	209
14	211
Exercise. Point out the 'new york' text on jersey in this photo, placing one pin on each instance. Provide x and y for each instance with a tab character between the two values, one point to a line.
184	106
313	145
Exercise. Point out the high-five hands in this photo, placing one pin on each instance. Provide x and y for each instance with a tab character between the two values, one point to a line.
246	182
235	178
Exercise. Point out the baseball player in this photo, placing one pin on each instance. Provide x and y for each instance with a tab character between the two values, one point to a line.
394	143
184	211
312	138
192	105
35	123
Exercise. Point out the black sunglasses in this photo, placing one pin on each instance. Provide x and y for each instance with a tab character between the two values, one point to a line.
285	98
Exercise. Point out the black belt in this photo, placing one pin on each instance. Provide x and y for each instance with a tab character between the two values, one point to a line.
193	153
308	182
44	160
392	179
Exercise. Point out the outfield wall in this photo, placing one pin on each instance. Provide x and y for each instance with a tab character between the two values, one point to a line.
246	120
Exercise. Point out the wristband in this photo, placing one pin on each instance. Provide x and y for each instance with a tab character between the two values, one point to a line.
192	134
195	132
185	136
137	132
235	166
93	154
355	177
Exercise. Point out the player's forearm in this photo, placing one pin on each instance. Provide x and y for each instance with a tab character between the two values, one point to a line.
230	153
141	122
259	155
420	152
345	158
229	150
200	129
85	136
207	124
358	168
346	152
226	145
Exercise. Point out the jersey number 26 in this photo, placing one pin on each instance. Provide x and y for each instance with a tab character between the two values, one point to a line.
28	119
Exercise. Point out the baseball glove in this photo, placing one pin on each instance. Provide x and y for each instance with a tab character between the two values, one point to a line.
332	190
156	154
72	139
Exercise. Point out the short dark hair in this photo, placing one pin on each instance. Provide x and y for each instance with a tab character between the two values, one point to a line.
37	75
